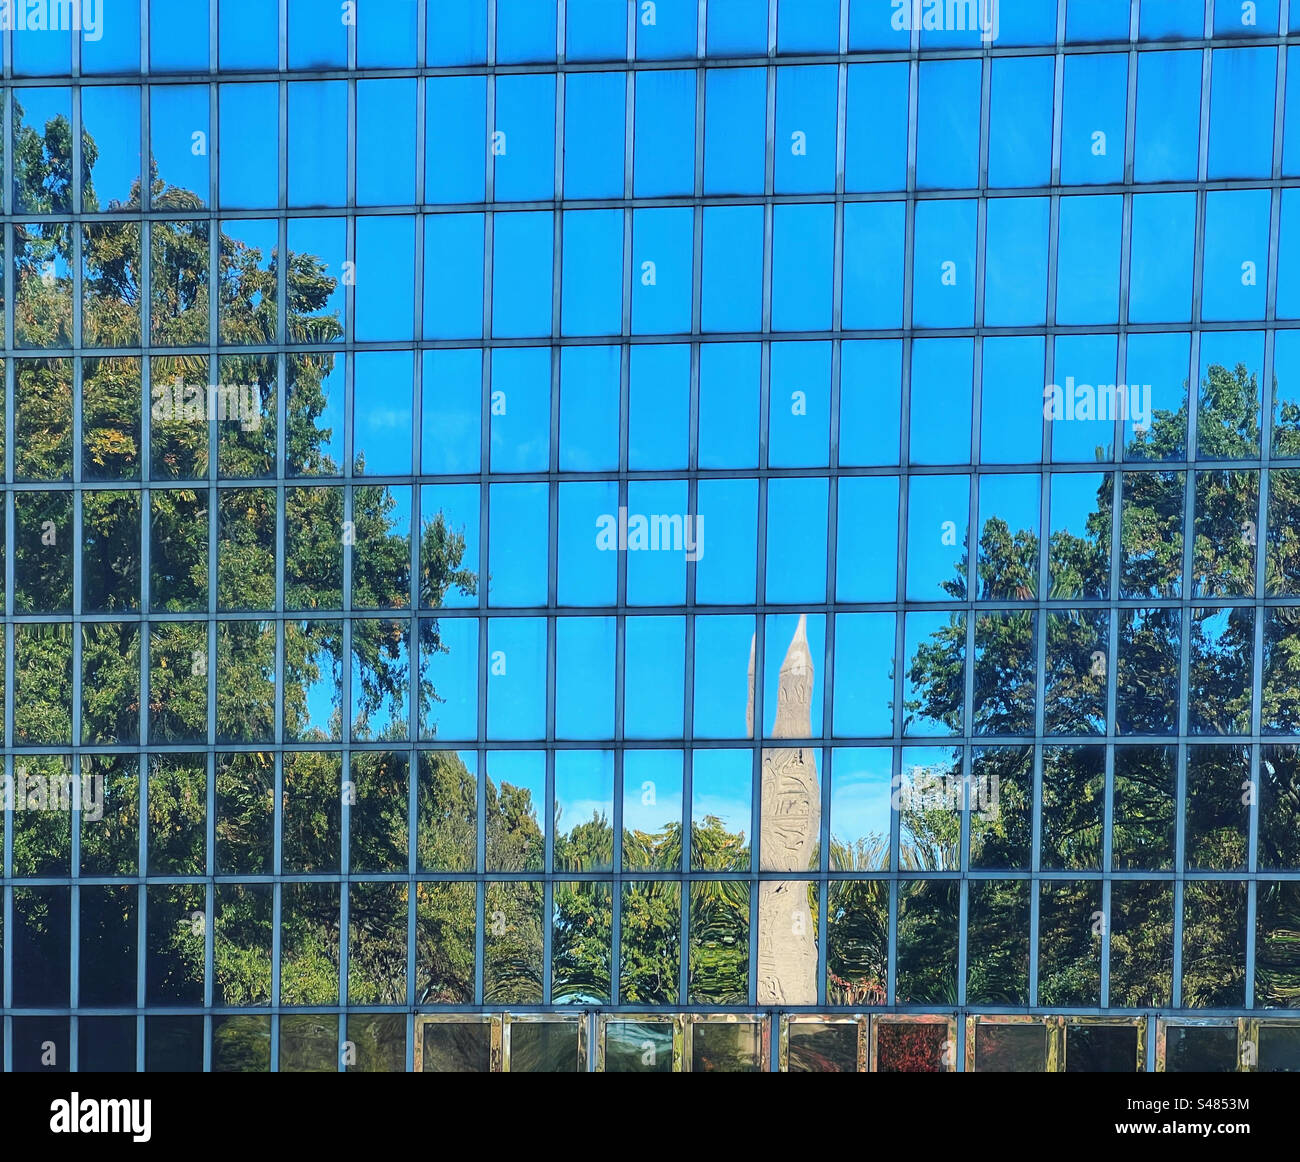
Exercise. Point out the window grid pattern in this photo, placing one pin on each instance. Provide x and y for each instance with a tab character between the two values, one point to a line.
770	520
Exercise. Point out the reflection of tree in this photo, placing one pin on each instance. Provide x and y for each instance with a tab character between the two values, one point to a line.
1148	697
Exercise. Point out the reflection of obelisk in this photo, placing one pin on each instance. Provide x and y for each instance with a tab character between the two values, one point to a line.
790	821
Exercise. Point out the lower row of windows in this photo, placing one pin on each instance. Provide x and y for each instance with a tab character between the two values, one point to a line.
650	1043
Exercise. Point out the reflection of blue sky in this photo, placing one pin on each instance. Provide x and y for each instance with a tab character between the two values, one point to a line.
655	666
729	381
652	790
584	670
860	791
110	114
722	784
452	411
942	371
864	674
516	694
721	658
589	408
584	787
933	502
521	409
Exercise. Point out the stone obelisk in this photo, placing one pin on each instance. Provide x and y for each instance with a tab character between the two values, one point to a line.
790	822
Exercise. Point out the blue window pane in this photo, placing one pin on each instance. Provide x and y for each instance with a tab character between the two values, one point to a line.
1020	125
662	537
938	513
733	268
316	111
517	545
523	144
114	45
867	534
805	130
1093	119
454	170
659	401
386	116
249	173
1168	116
589	409
1171	20
587	543
516	695
863	702
453	276
948	133
799	405
386	33
796	527
1241	113
1021	22
661	271
803	256
593	135
943	271
654	688
737	27
1087	261
964	25
1083	364
248	35
874	237
879	24
1288	258
521	409
1160	272
110	114
942	374
1011	425
1235	275
871	386
1015	270
876	129
525	32
385	288
665	133
1291	115
735	131
318	38
592	277
456	33
522	253
178	37
729	381
1158	364
727	573
44	47
451	412
596	31
717	641
381	413
1237	18
808	25
666	29
179	133
1097	20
